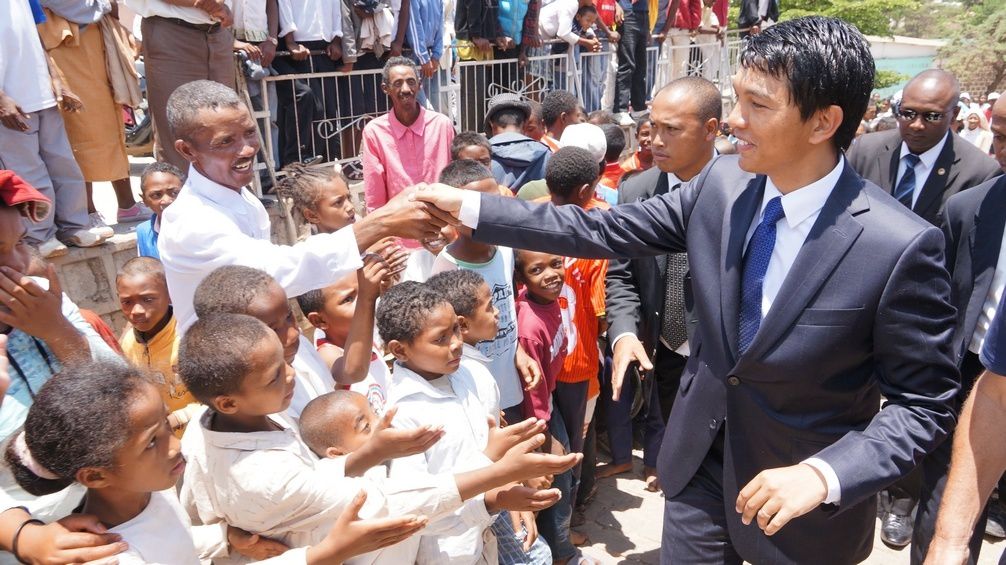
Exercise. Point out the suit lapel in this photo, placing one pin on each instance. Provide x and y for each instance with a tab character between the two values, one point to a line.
736	223
889	166
939	177
833	234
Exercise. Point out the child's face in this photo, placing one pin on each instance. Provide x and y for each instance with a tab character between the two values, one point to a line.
339	307
486	185
143	299
483	325
272	309
587	20
435	245
356	423
534	128
334	209
268	386
644	137
160	190
151	458
543	275
436	351
476	153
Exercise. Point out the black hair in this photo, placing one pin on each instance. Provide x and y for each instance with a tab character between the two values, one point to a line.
398	62
643	120
148	266
509	117
615	141
213	358
311	301
230	289
467	139
598	117
825	61
160	167
302	183
555	103
464	171
584	10
78	419
404	309
569	169
705	95
460	288
317	418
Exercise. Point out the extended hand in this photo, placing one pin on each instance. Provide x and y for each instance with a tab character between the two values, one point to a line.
523	462
253	546
351	536
502	440
78	538
777	496
389	442
445	198
519	498
628	349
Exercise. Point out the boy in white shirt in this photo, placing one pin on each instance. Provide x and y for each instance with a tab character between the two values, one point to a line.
247	467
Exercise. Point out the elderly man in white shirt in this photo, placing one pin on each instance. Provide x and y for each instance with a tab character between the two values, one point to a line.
216	221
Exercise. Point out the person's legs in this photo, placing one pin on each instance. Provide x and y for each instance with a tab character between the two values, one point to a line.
297	109
619	423
571	406
513	414
709	46
638	88
20	152
553	522
679	40
627	61
70	203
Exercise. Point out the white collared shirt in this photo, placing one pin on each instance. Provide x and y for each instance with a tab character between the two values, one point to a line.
460	403
310	20
160	8
272	484
922	169
312	378
210	226
991	304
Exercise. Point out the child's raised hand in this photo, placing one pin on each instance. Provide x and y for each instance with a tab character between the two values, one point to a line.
372	276
519	498
389	442
525	521
350	536
253	546
523	462
502	440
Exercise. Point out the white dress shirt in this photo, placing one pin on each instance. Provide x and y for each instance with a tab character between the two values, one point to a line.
460	403
991	301
556	21
310	20
312	378
802	207
210	226
160	8
922	169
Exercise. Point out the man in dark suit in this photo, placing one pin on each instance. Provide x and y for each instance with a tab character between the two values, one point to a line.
815	292
922	164
943	163
756	15
645	295
974	224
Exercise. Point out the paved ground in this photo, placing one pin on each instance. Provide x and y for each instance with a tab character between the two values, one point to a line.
624	521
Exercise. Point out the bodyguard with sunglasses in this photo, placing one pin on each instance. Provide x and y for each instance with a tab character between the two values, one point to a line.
922	164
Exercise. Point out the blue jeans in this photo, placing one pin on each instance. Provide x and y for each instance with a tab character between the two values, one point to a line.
553	522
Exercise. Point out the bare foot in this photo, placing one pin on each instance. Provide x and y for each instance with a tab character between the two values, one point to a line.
652	482
577	539
604	471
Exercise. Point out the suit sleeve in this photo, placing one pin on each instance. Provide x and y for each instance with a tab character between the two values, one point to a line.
951	235
916	372
621	293
641	229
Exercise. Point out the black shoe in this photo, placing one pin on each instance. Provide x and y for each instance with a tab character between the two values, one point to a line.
996	525
896	529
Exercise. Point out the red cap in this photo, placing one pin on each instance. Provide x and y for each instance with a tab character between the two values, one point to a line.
17	193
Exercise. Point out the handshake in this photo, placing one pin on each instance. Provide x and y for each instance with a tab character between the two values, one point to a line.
420	212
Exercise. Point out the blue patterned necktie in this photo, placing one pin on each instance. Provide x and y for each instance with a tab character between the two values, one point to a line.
906	186
756	260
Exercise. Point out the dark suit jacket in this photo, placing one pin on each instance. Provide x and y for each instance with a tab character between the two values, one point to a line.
876	156
973	224
864	311
634	288
749	15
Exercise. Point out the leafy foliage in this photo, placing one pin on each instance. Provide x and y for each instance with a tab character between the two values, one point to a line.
981	43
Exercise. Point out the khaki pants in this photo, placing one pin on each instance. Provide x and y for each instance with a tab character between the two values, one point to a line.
673	61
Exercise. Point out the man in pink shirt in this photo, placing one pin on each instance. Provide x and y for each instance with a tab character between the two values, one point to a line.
409	144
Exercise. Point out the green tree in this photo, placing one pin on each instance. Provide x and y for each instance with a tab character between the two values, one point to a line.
981	43
885	78
872	17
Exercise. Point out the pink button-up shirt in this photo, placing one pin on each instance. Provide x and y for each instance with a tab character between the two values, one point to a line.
396	156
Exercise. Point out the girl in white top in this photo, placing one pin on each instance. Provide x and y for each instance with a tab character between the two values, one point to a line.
126	456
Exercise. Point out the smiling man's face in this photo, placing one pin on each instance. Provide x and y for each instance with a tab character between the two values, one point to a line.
223	145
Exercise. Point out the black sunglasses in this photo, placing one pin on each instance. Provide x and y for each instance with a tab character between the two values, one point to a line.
910	115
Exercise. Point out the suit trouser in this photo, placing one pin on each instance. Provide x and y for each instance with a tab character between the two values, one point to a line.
309	109
174	55
630	80
934	474
42	156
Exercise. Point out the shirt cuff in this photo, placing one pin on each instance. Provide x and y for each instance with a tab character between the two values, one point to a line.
618	337
471	205
834	495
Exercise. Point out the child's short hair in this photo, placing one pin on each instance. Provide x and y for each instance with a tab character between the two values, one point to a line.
230	289
460	288
213	357
86	403
599	117
404	309
160	167
311	301
463	172
555	103
584	10
467	139
148	266
316	420
568	170
615	140
301	183
642	121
